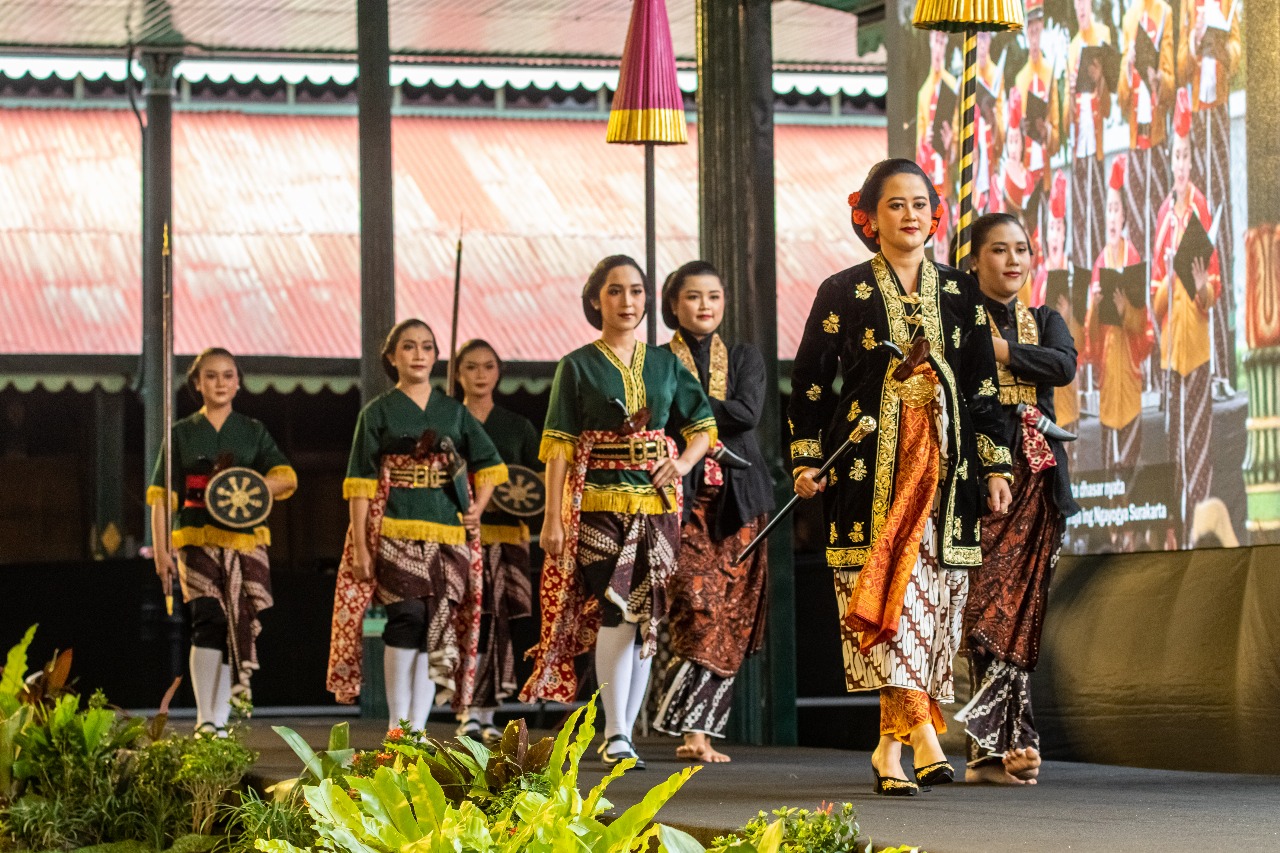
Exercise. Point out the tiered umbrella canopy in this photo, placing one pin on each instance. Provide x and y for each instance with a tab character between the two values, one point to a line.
648	106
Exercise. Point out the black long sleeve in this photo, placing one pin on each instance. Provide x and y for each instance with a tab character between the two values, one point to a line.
742	411
1053	361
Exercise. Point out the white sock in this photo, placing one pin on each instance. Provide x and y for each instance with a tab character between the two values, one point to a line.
424	691
639	687
397	669
222	697
484	716
205	668
614	660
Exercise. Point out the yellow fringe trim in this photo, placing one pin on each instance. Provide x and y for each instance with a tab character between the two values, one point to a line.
663	126
216	537
424	531
606	500
557	445
155	494
504	534
285	472
494	475
707	425
358	487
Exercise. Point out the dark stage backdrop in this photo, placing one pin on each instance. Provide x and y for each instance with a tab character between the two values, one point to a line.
1107	126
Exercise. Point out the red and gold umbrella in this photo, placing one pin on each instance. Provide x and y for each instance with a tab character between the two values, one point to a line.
648	109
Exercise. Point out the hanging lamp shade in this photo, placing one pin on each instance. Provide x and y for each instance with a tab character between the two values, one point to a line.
956	16
648	106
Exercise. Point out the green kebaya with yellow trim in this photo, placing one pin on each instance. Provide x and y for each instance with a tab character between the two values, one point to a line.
587	382
197	446
392	424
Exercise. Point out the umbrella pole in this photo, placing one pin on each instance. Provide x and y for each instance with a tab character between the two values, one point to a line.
968	100
650	248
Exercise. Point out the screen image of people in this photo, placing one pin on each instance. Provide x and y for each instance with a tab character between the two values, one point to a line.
1115	131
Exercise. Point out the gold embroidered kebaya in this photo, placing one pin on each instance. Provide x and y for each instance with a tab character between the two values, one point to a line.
1012	389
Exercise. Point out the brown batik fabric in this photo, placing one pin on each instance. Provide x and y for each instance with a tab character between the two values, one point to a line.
716	619
241	582
626	561
508	595
717	611
694	699
1004	616
439	574
1007	593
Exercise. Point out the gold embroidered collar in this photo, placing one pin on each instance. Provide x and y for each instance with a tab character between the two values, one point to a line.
632	376
717	375
1012	389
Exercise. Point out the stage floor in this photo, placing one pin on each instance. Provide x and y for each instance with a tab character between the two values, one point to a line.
1077	807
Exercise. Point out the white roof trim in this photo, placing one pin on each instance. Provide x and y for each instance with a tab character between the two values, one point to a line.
417	74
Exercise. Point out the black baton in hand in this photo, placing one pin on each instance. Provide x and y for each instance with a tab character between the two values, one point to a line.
866	425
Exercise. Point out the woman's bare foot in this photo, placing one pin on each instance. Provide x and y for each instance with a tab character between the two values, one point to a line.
886	761
697	747
992	773
1023	763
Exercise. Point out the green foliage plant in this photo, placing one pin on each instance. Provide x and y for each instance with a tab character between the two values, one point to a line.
788	830
269	819
210	768
404	807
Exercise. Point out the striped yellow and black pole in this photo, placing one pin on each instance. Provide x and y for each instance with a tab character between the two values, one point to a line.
969	17
968	104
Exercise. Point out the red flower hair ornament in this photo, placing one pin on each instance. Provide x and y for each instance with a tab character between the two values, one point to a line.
862	220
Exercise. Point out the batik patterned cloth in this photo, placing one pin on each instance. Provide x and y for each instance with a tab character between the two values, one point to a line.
408	568
695	699
508	595
1008	592
1190	438
570	614
998	718
240	582
902	710
919	657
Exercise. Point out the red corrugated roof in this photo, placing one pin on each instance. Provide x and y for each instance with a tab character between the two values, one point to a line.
266	219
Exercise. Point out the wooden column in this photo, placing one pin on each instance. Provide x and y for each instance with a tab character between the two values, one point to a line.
737	234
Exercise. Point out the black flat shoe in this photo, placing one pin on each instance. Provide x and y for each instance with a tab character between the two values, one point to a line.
891	787
611	758
938	773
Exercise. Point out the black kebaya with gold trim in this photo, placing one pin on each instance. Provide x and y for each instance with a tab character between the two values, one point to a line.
853	312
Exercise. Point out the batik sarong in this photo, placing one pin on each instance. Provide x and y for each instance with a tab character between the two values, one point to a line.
716	619
508	595
571	613
413	569
1211	171
1088	213
240	581
1190	440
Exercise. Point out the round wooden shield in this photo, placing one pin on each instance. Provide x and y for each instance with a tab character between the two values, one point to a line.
523	495
238	498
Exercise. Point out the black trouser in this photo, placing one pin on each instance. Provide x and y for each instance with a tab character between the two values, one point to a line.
209	624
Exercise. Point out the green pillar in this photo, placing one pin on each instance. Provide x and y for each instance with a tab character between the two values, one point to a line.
737	234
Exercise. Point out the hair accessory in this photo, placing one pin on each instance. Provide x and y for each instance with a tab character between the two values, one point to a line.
1118	172
1182	113
861	221
1058	196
